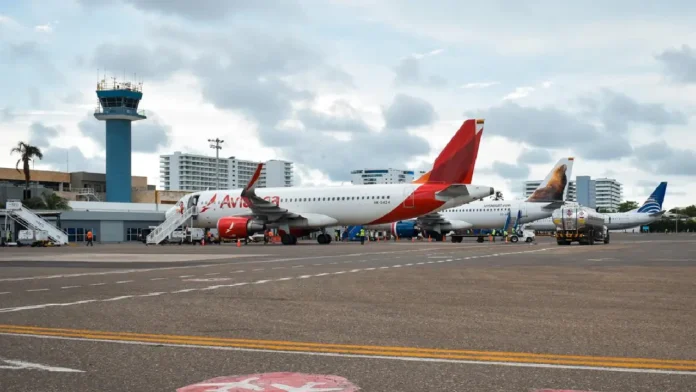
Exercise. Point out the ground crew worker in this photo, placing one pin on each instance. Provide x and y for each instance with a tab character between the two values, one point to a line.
493	235
362	236
89	238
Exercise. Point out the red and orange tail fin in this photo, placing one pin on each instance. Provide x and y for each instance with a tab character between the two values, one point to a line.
251	186
456	162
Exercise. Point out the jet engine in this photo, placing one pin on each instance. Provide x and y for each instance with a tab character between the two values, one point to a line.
237	226
404	229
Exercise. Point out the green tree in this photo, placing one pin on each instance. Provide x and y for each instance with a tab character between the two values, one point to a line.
27	154
628	206
55	202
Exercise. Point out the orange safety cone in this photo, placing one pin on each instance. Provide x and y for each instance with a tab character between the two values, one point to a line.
430	239
239	243
413	239
202	241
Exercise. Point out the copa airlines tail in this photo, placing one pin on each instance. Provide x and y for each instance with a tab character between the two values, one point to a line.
296	211
654	202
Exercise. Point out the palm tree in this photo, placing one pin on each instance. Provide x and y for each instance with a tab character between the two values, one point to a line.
54	202
27	153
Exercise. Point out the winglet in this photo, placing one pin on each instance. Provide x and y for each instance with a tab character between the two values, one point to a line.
249	189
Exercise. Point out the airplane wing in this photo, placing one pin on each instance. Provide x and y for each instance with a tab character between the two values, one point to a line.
554	205
430	220
658	213
261	208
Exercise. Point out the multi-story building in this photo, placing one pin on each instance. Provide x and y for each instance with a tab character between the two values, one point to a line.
603	193
609	194
384	176
191	172
528	187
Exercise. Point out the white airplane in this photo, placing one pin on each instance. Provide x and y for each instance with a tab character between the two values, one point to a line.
649	212
488	214
297	211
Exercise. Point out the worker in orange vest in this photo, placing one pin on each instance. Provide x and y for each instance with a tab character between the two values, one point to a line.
89	238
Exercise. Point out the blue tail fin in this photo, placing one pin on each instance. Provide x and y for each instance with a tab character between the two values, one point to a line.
654	202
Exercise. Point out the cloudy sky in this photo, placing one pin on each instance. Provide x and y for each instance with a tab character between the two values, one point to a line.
336	85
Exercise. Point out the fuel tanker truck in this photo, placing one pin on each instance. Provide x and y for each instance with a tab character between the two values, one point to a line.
581	224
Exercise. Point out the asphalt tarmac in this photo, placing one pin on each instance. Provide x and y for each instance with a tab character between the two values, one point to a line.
386	316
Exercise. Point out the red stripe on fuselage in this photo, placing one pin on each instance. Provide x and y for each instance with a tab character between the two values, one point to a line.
422	201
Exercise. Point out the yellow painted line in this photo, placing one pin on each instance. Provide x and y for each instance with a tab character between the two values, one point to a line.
388	351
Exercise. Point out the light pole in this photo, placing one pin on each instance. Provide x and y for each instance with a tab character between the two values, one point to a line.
217	148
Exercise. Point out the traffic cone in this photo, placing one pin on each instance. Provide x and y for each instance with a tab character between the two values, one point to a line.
239	243
203	242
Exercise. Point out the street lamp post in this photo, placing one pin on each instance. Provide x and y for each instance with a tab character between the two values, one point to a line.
217	148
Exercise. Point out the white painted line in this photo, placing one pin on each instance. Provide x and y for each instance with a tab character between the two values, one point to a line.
322	274
421	263
158	278
297	266
409	264
152	294
212	274
258	269
237	272
356	270
41	306
334	263
69	287
362	356
128	281
261	281
284	279
38	290
184	276
97	284
5	292
370	269
118	298
20	365
277	268
304	276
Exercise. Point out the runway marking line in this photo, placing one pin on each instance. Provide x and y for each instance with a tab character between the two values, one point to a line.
395	352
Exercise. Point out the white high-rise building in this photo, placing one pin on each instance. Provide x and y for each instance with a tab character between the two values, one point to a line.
190	172
384	176
609	194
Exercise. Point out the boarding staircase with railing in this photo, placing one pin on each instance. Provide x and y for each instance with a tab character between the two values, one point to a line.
25	217
169	226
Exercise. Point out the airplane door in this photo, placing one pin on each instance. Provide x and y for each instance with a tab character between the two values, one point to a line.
409	198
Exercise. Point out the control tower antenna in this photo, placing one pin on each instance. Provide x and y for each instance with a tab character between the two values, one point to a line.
118	106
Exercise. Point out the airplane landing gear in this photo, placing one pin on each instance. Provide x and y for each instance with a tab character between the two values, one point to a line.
288	239
324	239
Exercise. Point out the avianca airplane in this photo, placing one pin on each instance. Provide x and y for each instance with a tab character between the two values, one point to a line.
297	211
649	212
489	214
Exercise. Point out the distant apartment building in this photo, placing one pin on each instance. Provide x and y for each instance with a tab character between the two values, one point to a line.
384	176
191	172
603	193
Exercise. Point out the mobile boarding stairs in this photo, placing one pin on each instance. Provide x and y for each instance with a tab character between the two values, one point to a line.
161	232
25	217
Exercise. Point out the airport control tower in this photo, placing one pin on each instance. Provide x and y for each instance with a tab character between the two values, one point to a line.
118	106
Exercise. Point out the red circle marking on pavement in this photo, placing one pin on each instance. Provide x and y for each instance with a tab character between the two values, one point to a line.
274	382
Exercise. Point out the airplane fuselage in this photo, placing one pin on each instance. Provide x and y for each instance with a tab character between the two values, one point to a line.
613	221
330	206
487	214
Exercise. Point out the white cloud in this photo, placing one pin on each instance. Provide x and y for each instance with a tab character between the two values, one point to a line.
520	92
480	84
323	89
